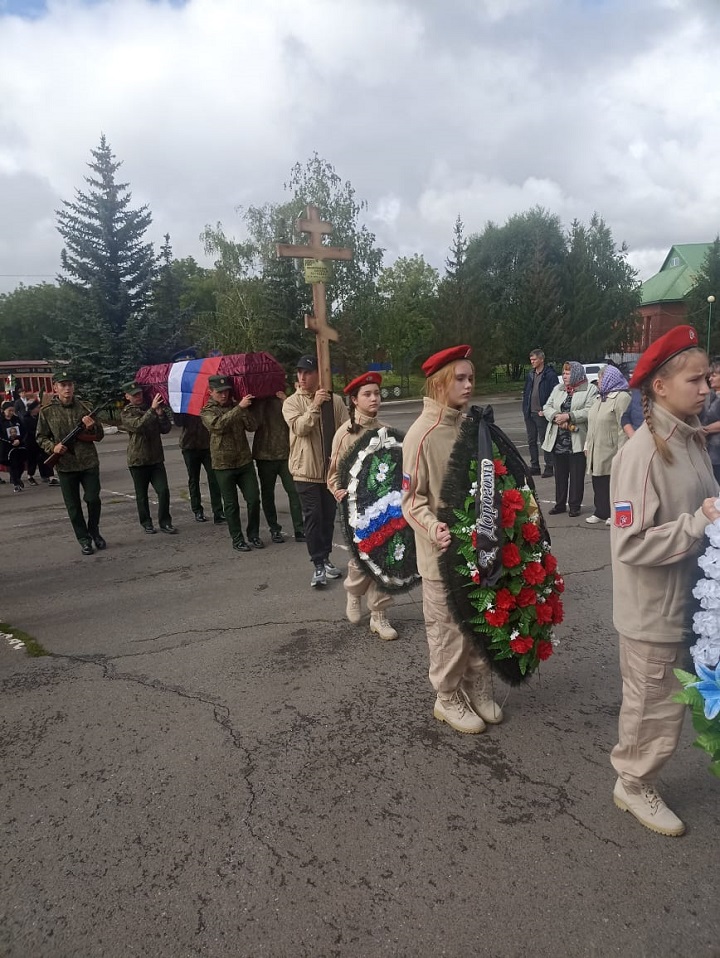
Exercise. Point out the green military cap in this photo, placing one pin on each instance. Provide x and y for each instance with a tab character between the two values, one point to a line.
131	388
220	382
63	376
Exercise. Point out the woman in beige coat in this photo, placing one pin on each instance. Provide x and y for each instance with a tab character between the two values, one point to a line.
605	436
566	412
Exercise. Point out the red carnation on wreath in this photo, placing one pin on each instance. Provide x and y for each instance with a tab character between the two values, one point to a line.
550	563
530	532
544	650
522	644
507	517
513	499
526	596
505	600
544	613
534	573
559	584
511	556
500	467
496	617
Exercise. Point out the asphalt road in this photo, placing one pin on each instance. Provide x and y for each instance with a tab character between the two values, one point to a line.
213	762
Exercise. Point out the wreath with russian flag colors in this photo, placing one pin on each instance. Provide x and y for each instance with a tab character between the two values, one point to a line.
502	577
375	528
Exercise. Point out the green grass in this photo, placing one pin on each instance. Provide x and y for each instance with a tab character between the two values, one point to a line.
32	646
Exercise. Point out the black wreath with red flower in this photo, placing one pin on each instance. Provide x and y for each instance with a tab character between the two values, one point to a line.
502	580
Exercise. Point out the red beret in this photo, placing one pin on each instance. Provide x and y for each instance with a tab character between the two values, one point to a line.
445	356
366	379
676	341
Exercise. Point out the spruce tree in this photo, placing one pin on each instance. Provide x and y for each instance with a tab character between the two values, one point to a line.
110	268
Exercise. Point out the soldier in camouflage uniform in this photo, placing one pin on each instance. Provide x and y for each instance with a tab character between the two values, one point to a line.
146	456
195	448
227	422
271	449
79	466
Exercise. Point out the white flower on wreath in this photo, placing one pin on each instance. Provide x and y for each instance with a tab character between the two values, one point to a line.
399	551
712	531
473	489
382	470
710	563
707	624
706	651
708	592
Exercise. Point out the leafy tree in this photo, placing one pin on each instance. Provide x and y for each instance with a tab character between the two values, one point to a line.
351	294
602	295
514	276
111	269
409	292
707	284
31	318
459	320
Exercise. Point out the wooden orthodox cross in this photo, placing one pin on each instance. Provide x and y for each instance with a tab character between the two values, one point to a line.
324	334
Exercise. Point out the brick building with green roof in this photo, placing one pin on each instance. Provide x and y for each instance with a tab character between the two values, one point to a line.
663	303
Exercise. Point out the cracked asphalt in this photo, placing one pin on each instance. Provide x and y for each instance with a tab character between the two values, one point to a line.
212	762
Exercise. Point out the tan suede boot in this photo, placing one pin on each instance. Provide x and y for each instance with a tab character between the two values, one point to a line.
478	695
649	809
454	710
380	625
353	609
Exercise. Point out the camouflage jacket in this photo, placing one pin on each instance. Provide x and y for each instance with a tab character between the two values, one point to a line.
193	434
146	427
228	425
55	421
272	436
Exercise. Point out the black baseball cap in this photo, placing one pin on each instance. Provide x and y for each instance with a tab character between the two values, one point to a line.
307	362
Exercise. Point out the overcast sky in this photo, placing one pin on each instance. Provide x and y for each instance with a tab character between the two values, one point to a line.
429	107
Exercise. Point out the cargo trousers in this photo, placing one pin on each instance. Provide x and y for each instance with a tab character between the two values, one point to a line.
358	583
70	484
650	722
453	656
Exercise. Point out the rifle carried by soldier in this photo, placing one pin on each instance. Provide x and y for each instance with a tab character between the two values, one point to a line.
75	433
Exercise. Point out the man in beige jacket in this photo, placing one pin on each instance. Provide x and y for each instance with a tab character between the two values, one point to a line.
302	413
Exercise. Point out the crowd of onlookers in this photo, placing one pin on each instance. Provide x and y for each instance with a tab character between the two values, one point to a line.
19	452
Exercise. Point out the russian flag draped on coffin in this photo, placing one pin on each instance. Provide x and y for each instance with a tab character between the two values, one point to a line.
184	385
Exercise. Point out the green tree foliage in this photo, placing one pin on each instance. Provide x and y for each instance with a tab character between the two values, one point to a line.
707	284
514	276
409	306
32	318
458	318
111	270
602	295
353	304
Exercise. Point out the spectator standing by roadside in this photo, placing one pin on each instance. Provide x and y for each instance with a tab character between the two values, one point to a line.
271	451
567	414
605	436
34	456
146	456
632	418
12	447
539	384
710	417
20	401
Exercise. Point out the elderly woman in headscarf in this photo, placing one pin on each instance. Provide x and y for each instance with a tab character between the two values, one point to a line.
566	412
605	436
709	416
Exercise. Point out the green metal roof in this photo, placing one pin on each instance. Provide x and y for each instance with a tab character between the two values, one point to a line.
675	281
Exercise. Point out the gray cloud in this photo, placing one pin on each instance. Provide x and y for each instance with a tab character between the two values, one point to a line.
477	107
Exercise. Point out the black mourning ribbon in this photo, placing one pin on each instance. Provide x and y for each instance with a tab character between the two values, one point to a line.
487	501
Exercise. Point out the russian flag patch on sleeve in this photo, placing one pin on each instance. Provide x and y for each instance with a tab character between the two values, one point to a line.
623	514
405	482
